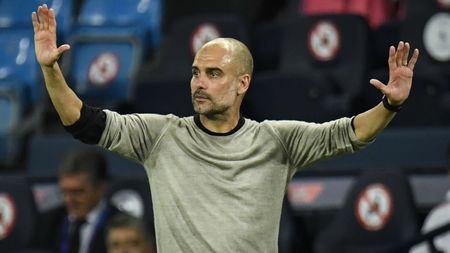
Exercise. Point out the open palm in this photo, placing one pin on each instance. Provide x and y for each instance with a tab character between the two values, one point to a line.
400	74
47	53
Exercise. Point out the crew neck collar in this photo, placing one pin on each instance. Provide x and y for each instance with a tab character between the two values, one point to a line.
232	131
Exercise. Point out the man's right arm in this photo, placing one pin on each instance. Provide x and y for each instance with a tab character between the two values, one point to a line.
65	101
128	135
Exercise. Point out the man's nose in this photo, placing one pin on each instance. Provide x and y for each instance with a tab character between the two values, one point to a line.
200	81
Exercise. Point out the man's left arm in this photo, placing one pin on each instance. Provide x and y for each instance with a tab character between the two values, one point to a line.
370	123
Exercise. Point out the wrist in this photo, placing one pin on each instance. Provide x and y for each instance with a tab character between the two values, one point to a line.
48	67
391	107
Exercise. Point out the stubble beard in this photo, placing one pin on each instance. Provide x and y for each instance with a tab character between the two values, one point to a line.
209	109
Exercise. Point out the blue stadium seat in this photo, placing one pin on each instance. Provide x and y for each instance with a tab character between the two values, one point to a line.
102	68
65	17
110	41
11	111
18	62
142	17
17	14
6	125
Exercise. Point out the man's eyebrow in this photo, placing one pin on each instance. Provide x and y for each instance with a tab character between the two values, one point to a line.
208	69
213	69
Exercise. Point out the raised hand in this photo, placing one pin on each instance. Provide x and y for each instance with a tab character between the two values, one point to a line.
47	53
400	74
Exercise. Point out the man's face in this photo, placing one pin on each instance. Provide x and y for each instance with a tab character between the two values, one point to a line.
126	240
80	196
214	83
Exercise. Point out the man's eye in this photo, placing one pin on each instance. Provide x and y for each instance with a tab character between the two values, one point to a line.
215	73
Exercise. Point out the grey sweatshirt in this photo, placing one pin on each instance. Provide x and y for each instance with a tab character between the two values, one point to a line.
221	193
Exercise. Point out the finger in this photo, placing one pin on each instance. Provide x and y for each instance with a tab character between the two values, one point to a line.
52	21
391	60
63	48
399	54
40	14
414	58
35	22
405	54
45	20
379	85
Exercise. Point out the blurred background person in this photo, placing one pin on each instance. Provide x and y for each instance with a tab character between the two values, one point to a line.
79	225
437	217
128	234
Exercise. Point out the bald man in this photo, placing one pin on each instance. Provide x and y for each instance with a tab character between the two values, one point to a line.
217	179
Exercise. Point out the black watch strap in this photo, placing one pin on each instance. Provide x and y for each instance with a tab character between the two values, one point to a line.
392	108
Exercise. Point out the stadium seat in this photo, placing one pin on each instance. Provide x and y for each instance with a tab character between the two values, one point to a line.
20	88
110	41
426	26
378	215
18	62
141	18
163	96
375	12
330	48
266	46
17	14
42	163
250	10
428	94
11	111
289	97
103	66
18	215
65	17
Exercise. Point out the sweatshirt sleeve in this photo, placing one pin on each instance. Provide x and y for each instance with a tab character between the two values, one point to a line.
307	143
90	125
133	135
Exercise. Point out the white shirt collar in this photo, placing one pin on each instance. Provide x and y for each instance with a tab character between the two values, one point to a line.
92	216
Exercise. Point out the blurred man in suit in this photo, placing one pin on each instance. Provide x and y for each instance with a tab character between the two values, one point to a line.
79	225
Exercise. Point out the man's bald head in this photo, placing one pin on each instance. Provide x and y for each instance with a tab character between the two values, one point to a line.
239	52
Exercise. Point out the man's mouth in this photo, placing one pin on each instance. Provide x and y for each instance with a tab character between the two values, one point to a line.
200	96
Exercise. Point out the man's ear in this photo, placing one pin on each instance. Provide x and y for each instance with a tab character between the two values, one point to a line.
244	83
